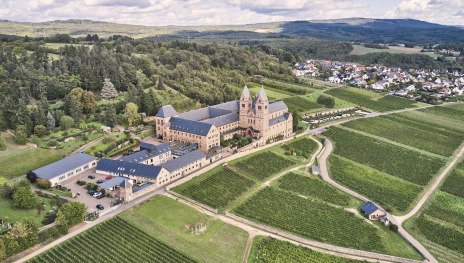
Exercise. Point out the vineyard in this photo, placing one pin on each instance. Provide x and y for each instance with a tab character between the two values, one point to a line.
216	189
300	104
287	87
425	136
112	241
394	160
455	111
312	219
393	194
263	165
269	250
371	100
313	187
454	183
301	147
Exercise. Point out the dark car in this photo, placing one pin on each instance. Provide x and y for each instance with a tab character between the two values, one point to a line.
100	207
91	192
100	181
91	176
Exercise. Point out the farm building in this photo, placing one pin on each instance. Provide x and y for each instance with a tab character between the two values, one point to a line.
372	211
65	168
150	154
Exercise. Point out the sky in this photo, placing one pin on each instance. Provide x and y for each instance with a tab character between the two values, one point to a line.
227	12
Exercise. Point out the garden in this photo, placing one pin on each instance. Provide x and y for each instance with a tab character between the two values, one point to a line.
216	188
262	165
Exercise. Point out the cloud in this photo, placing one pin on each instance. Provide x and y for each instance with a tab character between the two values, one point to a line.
438	11
134	3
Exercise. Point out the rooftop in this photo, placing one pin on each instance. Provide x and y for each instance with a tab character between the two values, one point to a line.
369	208
183	160
65	165
116	181
195	127
128	168
166	111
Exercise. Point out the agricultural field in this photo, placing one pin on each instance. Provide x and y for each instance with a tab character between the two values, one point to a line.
301	104
216	188
393	194
272	94
394	160
171	222
262	165
362	50
113	241
303	147
270	250
320	221
315	188
291	88
371	100
440	227
454	183
402	129
424	116
453	111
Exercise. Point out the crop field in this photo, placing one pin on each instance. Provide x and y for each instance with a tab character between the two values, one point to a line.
300	104
263	165
217	189
270	250
393	194
371	100
171	222
362	50
394	160
288	87
112	241
405	130
442	227
302	147
314	187
272	94
312	219
453	111
433	119
454	183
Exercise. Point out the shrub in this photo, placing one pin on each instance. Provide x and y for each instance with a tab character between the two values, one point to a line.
43	184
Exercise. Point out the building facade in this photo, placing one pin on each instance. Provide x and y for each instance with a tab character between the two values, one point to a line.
254	117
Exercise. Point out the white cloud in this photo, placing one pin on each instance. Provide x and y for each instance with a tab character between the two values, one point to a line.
438	11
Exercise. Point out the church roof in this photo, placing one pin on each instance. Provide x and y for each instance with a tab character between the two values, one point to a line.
279	119
224	119
166	111
189	126
245	92
261	95
277	106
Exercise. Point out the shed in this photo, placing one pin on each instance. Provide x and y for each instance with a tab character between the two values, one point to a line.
372	211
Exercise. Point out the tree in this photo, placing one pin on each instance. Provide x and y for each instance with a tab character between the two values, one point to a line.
73	106
22	235
160	84
50	122
89	102
110	116
31	176
21	135
43	183
296	120
108	91
2	249
66	123
40	130
24	198
2	143
131	112
70	214
329	102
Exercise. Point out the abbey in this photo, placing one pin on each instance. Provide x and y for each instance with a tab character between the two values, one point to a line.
254	117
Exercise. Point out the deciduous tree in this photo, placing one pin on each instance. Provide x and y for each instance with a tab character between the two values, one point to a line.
24	198
131	113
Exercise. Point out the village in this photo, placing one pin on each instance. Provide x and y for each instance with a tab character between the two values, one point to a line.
430	86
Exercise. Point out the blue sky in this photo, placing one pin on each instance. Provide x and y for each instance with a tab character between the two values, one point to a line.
217	12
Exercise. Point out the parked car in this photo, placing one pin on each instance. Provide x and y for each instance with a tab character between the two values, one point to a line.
100	196
91	192
100	181
97	194
91	176
100	207
109	177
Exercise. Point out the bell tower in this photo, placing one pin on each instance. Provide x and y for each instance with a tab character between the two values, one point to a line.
262	111
245	107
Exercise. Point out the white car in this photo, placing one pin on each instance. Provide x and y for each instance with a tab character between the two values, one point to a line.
97	194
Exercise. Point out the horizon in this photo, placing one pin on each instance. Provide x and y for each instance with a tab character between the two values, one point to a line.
229	12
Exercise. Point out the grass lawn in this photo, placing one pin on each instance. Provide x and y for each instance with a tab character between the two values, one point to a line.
167	221
15	215
100	146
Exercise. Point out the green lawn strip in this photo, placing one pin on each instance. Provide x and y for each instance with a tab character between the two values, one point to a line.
339	103
313	187
388	137
315	220
393	194
13	214
391	159
217	188
270	250
453	111
167	220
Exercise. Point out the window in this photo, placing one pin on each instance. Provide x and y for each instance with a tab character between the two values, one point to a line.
243	105
259	107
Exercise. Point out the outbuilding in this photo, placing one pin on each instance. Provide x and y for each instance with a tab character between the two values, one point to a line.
372	211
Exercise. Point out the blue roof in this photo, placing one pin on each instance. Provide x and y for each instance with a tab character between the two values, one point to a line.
146	185
166	111
116	181
195	127
147	151
277	106
183	160
224	119
62	166
229	106
127	168
279	119
369	207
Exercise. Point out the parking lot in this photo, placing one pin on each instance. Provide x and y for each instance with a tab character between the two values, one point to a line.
83	197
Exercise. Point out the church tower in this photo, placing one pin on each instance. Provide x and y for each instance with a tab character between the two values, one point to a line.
245	107
262	111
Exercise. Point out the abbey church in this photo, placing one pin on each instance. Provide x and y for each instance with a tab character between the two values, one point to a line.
254	117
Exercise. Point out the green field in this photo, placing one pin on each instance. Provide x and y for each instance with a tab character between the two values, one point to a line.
453	111
454	183
402	129
216	188
393	194
292	88
270	250
371	100
362	50
303	147
168	220
394	160
262	165
301	104
13	214
271	93
315	188
320	221
113	241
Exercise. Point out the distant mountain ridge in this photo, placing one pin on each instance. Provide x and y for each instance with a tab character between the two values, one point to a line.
346	29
